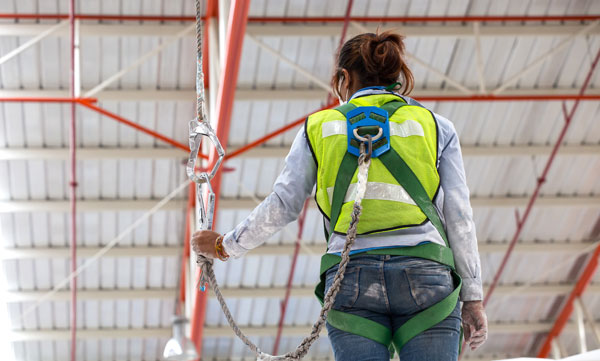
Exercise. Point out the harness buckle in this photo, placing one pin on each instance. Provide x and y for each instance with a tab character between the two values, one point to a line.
369	126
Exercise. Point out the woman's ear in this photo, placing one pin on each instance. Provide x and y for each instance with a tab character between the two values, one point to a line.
345	82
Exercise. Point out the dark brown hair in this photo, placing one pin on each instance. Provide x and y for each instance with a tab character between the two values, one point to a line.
377	59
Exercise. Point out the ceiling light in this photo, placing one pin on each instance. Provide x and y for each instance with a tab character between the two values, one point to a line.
180	347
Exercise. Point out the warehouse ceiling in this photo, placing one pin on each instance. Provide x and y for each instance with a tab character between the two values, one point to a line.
502	83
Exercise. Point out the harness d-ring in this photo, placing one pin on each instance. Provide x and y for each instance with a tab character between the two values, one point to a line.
364	139
363	121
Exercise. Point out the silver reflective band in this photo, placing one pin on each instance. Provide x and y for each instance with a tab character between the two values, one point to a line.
406	129
336	127
377	191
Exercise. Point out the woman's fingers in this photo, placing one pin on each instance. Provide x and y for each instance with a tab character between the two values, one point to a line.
477	338
468	328
475	344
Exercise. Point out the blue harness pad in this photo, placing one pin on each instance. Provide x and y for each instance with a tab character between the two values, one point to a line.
362	121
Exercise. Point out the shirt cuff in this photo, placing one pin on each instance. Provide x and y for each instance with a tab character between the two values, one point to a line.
232	248
471	290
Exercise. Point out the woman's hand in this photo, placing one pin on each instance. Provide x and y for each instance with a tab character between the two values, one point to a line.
203	242
474	323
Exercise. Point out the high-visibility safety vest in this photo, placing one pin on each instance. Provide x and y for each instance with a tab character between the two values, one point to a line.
386	205
402	183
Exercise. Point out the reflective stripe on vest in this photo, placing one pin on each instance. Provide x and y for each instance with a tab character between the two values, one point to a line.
408	128
377	191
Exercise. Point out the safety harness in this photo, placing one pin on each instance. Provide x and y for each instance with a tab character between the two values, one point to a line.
372	124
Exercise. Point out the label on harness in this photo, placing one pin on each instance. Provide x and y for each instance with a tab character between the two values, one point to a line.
363	121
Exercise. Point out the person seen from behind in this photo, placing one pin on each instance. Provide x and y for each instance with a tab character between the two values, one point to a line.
415	259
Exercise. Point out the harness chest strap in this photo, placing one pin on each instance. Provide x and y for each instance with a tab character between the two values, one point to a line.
432	251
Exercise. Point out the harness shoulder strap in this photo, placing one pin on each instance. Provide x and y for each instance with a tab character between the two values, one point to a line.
345	108
392	106
342	182
409	181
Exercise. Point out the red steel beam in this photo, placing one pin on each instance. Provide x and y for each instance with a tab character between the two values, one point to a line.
590	269
186	243
134	125
106	17
47	100
88	103
321	19
211	12
277	132
540	181
288	289
505	98
565	314
236	29
73	182
458	98
425	19
474	98
302	217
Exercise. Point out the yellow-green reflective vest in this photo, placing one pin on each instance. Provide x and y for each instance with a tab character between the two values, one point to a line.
412	162
386	206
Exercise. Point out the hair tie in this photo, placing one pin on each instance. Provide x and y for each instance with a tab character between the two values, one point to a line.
393	86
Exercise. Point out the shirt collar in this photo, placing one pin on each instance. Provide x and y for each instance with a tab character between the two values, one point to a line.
372	90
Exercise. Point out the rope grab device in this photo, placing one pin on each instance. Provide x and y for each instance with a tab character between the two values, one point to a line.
363	145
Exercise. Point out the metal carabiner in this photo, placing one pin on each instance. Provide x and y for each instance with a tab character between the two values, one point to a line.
197	131
204	213
366	154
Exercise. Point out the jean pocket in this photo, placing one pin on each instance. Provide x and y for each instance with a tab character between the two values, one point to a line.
349	289
430	285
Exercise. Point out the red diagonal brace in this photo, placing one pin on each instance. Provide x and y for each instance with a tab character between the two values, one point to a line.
134	125
277	132
540	182
590	269
565	314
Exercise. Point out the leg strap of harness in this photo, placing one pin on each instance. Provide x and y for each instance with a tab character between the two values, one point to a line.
420	322
360	326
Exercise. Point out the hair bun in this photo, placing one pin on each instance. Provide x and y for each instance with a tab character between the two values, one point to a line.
378	59
382	55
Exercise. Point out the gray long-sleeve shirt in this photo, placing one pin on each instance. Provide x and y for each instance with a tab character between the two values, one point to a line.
296	183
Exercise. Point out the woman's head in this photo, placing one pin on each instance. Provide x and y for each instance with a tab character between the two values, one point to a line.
371	60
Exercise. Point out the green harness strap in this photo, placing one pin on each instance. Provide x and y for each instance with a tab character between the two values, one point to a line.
409	181
432	251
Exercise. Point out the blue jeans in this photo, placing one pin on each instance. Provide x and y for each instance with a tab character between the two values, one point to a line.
390	290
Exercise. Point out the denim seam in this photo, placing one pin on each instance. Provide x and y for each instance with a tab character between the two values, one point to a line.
384	288
410	290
